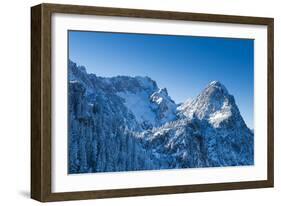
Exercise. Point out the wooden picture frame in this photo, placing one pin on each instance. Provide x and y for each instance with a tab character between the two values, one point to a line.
41	94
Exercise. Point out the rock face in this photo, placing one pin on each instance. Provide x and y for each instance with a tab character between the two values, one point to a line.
127	123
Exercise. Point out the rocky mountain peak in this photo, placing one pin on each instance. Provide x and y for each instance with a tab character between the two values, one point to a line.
214	104
215	88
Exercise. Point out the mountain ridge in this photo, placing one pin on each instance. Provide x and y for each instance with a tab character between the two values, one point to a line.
160	134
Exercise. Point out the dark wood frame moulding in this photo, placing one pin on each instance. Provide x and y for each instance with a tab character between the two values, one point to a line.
41	101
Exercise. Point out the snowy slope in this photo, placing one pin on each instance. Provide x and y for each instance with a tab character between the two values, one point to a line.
140	106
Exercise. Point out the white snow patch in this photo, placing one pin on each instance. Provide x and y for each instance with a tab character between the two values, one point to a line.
73	81
219	116
139	105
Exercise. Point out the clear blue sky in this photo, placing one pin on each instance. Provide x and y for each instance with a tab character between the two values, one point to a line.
182	64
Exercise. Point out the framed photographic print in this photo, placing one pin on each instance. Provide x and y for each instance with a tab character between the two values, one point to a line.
132	102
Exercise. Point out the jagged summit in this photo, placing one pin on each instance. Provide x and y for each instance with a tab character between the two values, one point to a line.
216	83
163	91
216	86
164	105
213	104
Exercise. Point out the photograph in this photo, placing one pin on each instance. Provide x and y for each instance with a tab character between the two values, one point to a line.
155	102
134	102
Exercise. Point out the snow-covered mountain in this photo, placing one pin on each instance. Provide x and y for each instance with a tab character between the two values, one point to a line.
127	123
